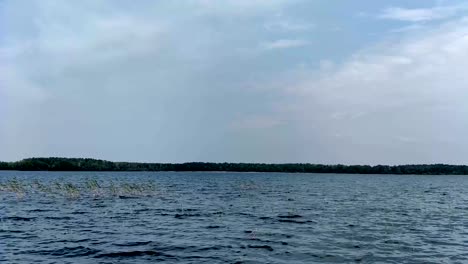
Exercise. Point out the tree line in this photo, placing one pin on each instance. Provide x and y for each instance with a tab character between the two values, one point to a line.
86	164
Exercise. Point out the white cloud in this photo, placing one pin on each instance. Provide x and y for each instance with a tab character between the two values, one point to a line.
239	3
239	7
284	44
288	26
406	29
57	47
120	79
415	88
421	14
140	81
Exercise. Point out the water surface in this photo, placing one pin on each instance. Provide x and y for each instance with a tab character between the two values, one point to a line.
232	218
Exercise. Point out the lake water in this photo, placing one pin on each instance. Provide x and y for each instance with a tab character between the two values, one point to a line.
145	217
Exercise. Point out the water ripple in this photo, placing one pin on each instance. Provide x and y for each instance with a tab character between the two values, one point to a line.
233	218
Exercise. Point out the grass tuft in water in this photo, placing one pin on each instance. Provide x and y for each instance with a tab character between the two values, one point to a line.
71	190
89	188
93	186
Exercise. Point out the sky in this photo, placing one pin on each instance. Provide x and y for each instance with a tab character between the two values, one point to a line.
275	81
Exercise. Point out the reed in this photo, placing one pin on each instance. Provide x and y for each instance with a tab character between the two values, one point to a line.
89	188
71	190
113	189
93	186
14	186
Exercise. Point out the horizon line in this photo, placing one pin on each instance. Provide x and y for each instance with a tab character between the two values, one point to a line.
237	162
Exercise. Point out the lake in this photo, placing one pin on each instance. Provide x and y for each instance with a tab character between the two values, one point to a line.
195	217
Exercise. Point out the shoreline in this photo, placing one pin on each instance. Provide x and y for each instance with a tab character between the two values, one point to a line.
94	165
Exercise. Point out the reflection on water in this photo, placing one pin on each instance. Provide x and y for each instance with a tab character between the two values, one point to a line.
89	217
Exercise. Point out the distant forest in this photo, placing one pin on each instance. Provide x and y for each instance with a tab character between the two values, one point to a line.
78	164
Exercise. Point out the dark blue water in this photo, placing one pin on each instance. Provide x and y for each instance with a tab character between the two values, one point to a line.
89	217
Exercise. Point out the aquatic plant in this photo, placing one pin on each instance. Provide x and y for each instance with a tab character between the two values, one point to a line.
37	186
16	187
245	186
113	189
57	186
88	188
71	190
131	189
92	184
150	186
94	187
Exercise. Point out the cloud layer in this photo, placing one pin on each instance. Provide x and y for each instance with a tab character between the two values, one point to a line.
252	81
422	14
396	102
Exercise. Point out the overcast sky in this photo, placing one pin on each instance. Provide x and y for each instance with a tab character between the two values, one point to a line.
353	82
